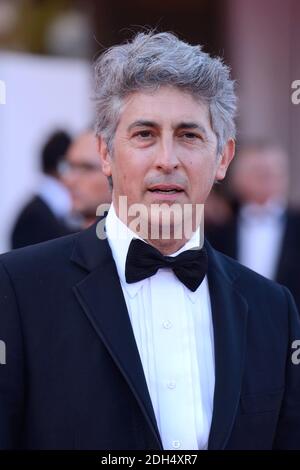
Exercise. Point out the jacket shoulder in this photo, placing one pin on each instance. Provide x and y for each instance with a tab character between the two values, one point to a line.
243	276
21	261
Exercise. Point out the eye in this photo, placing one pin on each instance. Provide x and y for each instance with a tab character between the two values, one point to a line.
144	134
190	136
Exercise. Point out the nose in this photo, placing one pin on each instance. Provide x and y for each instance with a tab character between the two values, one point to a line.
166	158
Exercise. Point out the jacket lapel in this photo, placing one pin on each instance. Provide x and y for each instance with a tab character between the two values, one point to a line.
229	312
101	298
289	240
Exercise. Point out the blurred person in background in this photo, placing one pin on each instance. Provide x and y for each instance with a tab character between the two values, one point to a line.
263	234
219	208
43	217
82	174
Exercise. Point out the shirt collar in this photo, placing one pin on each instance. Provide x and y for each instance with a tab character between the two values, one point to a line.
119	237
56	195
272	209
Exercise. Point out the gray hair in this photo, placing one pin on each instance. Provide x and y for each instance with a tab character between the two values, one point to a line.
152	60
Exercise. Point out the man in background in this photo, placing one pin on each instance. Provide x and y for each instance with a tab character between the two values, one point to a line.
43	216
82	174
264	233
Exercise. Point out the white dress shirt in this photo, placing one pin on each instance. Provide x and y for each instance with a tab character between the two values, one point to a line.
174	335
260	234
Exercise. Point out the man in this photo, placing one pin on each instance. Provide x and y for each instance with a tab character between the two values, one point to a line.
82	174
265	232
43	217
125	342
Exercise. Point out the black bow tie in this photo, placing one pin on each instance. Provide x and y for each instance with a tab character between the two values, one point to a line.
143	260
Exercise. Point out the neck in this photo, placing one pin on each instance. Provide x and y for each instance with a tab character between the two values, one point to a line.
167	237
167	247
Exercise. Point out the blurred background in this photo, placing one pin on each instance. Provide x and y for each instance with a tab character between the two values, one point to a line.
46	110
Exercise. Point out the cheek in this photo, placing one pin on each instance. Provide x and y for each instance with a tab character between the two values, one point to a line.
202	179
202	170
131	173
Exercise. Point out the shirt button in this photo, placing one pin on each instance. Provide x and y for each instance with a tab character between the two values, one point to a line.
171	385
176	444
167	324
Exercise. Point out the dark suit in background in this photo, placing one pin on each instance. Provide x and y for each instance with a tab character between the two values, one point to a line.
225	239
37	223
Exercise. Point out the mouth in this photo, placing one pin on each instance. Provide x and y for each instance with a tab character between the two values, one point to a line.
166	189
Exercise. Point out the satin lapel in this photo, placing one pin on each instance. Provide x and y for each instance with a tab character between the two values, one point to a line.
229	311
101	298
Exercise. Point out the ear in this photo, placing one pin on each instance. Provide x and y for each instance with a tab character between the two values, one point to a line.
225	159
104	156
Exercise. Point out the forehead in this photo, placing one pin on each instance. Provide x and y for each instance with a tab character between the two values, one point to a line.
270	158
167	104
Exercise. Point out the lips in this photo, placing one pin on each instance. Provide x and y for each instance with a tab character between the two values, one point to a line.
166	189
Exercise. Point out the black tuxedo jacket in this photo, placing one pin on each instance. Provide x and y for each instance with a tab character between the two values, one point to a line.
37	223
73	378
225	239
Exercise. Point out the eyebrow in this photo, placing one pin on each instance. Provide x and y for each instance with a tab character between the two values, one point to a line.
192	125
181	125
142	123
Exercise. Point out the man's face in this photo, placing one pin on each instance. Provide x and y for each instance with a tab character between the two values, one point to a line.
261	176
84	177
164	150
